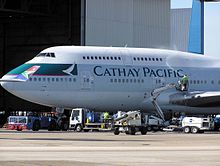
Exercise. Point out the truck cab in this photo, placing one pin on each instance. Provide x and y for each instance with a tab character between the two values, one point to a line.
82	119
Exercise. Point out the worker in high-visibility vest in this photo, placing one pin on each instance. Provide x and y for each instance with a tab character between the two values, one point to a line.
184	82
106	116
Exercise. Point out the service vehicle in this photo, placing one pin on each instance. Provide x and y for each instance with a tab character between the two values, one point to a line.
82	119
154	123
197	124
130	123
18	123
34	123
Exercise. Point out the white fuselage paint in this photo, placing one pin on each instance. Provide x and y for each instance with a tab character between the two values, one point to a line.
122	80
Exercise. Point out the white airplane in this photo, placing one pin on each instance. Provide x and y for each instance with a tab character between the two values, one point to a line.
107	78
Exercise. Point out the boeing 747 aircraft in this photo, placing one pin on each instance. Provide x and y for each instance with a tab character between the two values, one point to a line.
107	78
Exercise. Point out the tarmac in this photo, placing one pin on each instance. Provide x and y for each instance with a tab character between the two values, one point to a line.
104	148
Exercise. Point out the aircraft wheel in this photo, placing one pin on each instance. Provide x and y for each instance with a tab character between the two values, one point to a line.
65	126
78	128
194	130
186	129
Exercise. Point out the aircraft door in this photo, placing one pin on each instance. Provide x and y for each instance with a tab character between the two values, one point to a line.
127	59
87	80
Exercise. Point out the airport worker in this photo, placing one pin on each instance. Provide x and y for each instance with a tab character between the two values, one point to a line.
106	116
184	82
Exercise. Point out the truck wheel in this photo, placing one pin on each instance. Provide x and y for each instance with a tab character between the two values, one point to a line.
186	129
36	125
194	130
143	130
52	126
116	132
78	128
149	128
132	130
19	128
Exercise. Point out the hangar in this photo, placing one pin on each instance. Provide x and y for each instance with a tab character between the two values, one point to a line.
28	26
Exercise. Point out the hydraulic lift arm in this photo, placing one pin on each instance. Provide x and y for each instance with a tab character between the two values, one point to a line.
155	93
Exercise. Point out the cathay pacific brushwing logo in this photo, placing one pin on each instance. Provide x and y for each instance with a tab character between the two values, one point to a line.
72	70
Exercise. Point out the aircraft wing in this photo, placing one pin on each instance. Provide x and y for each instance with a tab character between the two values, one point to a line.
196	99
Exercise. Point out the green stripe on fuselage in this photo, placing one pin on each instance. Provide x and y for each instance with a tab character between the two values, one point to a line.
45	69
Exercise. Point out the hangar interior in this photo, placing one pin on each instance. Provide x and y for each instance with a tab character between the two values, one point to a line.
29	26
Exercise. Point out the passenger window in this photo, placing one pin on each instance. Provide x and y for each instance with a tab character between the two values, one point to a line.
145	59
103	58
96	57
87	57
149	59
138	58
53	79
111	58
134	59
142	59
115	58
92	57
84	57
100	58
107	58
119	58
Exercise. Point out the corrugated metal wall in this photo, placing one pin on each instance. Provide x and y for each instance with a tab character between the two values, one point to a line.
138	23
180	25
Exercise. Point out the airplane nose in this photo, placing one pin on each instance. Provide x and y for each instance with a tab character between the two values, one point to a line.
9	86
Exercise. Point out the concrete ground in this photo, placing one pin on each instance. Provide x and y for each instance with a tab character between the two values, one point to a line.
88	149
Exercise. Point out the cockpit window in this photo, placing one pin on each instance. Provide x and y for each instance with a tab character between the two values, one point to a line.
46	54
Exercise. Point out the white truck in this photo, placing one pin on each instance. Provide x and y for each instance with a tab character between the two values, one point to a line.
197	124
82	119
